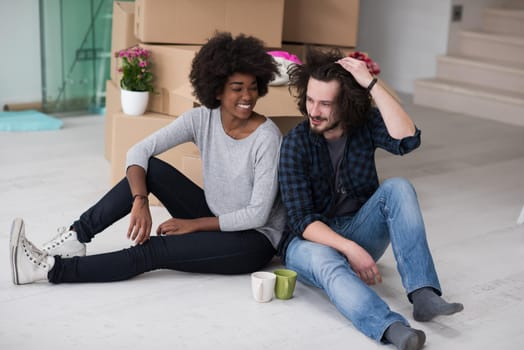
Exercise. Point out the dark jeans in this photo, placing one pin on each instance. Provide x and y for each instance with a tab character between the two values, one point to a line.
203	252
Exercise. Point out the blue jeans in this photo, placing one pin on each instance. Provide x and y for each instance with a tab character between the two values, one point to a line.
393	215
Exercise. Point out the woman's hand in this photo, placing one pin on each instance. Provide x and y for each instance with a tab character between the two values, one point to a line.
177	226
363	264
140	223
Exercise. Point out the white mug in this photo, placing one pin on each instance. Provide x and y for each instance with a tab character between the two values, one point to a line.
263	285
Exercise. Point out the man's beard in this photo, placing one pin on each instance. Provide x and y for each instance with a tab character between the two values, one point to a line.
328	128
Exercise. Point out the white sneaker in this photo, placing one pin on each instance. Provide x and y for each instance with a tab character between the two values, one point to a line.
28	263
65	244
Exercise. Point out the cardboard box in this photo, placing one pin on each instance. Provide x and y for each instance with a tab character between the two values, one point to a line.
192	168
277	103
113	106
285	124
171	65
122	35
326	22
168	102
195	21
128	130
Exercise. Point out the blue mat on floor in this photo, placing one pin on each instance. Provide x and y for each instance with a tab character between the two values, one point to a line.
29	120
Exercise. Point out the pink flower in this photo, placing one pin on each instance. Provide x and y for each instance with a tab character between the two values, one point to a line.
135	68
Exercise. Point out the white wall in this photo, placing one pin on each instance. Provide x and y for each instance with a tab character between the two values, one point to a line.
404	37
20	77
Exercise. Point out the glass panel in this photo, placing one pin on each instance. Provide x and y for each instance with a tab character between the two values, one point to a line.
76	49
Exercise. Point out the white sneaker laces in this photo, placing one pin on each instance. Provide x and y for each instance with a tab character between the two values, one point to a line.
57	239
60	231
35	255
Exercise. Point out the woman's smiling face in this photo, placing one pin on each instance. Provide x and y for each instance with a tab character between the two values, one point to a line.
239	96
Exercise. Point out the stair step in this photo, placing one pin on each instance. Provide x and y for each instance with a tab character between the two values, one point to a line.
504	48
483	72
504	21
470	99
513	4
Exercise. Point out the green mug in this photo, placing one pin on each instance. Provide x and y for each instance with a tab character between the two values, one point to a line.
285	283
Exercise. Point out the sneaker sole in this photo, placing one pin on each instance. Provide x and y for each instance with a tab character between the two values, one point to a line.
16	230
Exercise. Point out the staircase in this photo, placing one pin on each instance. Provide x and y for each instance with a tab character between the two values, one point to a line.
485	77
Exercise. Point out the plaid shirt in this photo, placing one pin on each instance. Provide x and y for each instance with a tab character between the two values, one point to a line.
307	177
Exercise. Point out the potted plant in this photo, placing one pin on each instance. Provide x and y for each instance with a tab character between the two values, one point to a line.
136	82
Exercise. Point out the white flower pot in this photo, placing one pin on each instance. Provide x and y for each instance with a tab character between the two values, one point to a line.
134	102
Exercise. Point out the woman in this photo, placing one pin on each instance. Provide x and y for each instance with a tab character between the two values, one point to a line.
232	226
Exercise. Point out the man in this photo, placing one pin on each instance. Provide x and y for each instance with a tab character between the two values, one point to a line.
340	219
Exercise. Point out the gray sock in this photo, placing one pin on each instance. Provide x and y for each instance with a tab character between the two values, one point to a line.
427	304
405	337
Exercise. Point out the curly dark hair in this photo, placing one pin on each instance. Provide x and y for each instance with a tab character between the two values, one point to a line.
223	56
353	102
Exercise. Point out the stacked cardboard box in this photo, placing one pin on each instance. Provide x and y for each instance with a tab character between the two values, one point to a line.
324	24
122	36
128	130
171	65
173	31
192	22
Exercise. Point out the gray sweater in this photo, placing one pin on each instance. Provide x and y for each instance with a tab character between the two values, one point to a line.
240	176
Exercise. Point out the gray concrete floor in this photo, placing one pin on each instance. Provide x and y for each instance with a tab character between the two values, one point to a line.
469	174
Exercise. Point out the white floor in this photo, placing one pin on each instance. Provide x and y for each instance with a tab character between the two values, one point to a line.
469	174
